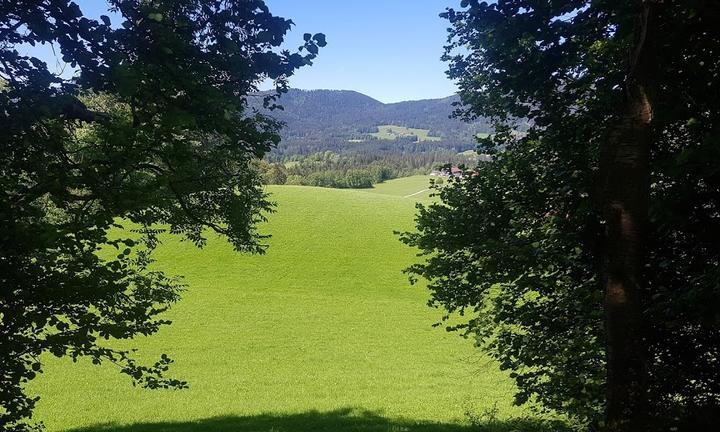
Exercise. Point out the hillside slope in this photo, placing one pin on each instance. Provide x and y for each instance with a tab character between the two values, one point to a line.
323	333
339	120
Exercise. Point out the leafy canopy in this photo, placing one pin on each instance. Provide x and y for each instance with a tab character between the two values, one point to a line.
152	134
514	247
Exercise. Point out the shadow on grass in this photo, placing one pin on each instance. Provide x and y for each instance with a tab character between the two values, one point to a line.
342	420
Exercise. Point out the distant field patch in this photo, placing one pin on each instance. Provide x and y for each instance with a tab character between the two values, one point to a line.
392	132
475	156
415	187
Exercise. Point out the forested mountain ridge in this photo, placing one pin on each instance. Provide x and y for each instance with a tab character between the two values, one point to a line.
344	121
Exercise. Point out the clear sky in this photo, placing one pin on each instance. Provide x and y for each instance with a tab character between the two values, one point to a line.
387	49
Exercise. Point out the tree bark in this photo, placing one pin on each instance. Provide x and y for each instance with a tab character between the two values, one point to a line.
625	170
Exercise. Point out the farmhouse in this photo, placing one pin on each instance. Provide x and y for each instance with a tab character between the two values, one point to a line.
444	172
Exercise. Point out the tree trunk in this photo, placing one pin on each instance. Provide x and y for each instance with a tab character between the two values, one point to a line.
626	192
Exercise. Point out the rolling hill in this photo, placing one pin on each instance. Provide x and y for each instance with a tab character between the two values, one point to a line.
323	333
345	121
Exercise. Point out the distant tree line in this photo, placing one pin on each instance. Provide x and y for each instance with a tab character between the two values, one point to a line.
358	170
311	144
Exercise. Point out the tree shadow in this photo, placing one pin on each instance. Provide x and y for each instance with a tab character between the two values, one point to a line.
341	420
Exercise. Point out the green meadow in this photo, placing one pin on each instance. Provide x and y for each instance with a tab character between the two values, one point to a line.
391	132
416	188
323	333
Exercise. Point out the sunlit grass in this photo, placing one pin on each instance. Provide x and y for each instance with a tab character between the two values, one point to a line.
414	188
324	322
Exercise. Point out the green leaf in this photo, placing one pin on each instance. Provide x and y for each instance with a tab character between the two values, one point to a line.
319	38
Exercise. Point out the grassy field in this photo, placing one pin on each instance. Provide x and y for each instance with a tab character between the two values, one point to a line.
414	188
391	132
323	333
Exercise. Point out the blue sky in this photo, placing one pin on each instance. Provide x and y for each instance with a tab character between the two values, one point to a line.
389	50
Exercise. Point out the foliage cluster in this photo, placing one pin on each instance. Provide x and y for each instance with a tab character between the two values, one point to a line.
517	248
155	131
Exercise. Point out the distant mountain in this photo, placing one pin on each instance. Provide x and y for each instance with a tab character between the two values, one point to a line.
345	121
